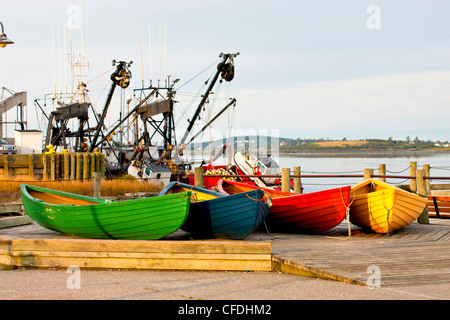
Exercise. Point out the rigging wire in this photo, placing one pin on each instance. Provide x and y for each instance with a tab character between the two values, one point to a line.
192	102
198	74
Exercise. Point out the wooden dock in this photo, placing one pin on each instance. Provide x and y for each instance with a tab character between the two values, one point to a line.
34	246
416	254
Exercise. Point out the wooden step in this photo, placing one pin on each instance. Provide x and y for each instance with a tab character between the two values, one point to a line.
216	255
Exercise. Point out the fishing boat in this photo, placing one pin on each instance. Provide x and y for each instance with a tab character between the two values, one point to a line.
153	171
211	182
82	216
383	208
308	212
252	165
215	215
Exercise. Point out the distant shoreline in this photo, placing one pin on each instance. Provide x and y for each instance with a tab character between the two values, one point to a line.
364	153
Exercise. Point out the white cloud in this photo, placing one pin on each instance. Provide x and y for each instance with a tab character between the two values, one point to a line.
410	103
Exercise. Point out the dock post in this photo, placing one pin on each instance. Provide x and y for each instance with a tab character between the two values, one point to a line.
97	184
79	168
73	166
85	166
421	191
286	180
6	172
426	170
96	162
53	167
58	158
31	166
382	171
368	173
297	181
198	174
45	167
102	165
92	165
66	157
412	171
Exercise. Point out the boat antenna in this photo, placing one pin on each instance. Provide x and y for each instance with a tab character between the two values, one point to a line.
150	49
142	58
224	69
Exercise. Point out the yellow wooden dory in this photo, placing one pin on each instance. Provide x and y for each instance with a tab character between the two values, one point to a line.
383	208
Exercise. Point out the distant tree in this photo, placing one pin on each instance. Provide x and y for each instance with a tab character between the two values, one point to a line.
345	139
416	140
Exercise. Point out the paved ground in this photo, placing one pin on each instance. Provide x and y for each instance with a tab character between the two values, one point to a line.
181	285
33	284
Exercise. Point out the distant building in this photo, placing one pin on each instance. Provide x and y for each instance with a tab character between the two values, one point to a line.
437	144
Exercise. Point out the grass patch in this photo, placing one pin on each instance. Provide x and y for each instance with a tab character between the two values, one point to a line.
341	144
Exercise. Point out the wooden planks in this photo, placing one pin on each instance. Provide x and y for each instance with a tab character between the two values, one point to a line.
416	254
136	254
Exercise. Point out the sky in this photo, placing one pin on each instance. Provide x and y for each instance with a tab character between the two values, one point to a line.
307	68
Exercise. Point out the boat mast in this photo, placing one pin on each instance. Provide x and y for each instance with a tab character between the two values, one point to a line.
227	71
120	77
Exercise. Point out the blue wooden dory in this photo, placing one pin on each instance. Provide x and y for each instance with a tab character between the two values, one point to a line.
215	215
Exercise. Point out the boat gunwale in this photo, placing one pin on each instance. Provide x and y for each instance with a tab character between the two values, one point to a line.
100	201
289	195
220	196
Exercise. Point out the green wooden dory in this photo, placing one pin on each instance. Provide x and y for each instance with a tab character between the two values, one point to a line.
72	214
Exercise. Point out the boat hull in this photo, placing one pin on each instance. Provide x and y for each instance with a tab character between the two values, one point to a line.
309	212
140	219
383	208
221	216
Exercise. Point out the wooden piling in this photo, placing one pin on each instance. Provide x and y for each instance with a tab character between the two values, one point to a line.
73	166
412	173
198	177
286	180
426	170
97	162
79	167
6	172
52	167
66	158
368	174
97	184
421	191
382	171
102	168
297	180
85	166
31	166
57	166
92	165
45	167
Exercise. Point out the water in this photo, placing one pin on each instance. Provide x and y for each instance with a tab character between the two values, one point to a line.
398	166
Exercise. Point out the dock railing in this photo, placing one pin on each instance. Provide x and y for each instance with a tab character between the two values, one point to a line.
419	183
